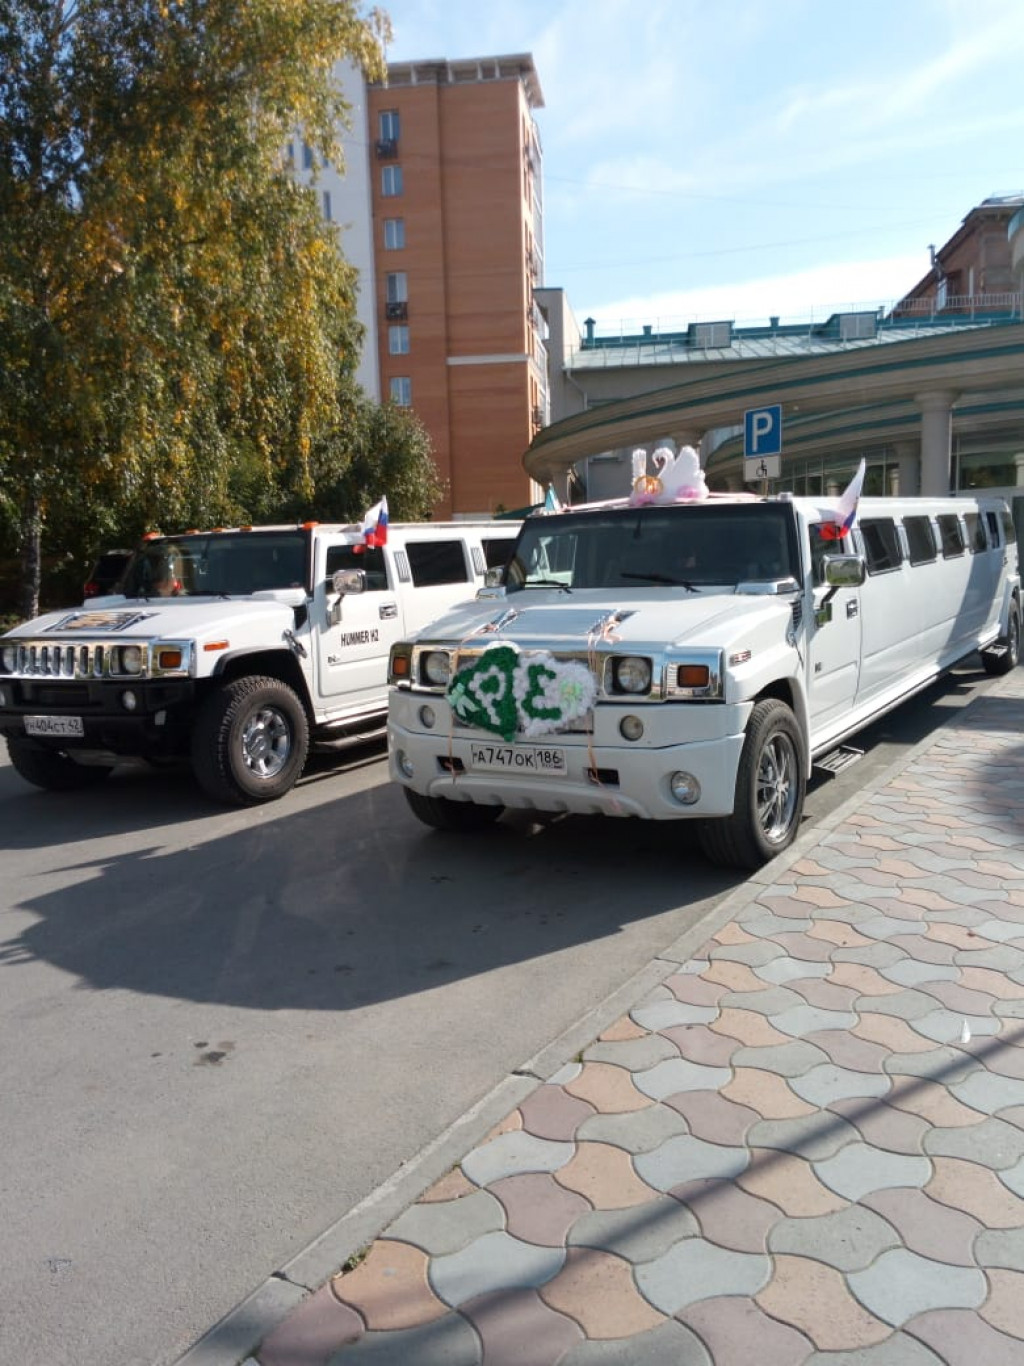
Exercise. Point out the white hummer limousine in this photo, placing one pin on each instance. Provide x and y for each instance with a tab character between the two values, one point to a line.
694	660
237	649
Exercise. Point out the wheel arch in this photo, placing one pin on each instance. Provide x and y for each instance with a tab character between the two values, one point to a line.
789	692
279	664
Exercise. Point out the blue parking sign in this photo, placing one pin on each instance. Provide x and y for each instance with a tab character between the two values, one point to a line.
762	431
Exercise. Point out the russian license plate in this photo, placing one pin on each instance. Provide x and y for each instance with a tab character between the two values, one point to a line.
54	725
518	758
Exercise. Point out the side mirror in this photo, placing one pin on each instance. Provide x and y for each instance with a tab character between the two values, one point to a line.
343	582
844	571
348	581
493	578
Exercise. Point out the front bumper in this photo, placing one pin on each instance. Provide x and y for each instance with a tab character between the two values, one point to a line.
605	774
159	724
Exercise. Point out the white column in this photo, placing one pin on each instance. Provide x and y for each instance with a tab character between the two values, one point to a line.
936	442
908	467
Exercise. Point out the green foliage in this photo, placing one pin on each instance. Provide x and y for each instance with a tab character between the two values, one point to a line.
176	321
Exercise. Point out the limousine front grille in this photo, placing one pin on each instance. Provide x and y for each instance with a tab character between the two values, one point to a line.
87	661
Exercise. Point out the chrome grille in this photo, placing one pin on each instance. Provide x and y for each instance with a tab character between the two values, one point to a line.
50	659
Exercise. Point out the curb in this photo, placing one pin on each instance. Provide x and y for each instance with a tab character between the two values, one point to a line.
231	1341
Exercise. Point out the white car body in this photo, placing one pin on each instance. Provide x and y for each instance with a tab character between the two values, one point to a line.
133	675
818	659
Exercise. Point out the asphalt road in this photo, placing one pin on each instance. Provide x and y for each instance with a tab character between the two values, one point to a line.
219	1030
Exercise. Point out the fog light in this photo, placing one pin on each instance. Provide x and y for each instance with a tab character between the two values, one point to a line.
685	788
128	700
428	718
404	763
631	728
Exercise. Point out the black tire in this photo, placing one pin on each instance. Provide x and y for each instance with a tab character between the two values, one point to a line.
442	814
250	741
1006	658
52	769
770	785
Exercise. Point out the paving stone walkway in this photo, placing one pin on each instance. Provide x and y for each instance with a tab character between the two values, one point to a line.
805	1148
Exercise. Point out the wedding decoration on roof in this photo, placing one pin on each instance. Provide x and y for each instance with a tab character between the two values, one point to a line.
678	478
519	694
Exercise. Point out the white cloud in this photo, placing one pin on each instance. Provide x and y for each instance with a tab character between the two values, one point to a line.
806	295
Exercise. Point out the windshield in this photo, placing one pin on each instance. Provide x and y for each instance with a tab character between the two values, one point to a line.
688	547
220	564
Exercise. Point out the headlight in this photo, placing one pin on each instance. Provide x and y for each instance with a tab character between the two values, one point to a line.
632	675
10	658
130	659
437	668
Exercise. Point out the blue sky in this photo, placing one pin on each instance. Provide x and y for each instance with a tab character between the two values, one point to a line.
741	158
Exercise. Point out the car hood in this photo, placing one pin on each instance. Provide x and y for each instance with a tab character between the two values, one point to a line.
156	618
556	621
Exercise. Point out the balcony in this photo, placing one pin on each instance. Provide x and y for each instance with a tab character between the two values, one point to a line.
397	312
387	149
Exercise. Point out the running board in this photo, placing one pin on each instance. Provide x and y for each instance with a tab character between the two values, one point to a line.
838	759
327	742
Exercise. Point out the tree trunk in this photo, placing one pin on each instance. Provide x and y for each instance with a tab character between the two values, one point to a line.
31	556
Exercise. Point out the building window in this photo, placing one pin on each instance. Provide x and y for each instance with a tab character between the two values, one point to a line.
401	390
397	284
307	157
394	234
389	126
327	205
398	340
391	181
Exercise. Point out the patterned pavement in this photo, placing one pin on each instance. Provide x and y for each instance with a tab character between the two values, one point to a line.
805	1148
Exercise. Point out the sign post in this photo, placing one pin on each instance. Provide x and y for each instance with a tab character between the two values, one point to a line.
762	444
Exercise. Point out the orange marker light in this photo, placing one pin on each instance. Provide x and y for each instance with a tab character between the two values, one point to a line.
169	659
693	676
217	645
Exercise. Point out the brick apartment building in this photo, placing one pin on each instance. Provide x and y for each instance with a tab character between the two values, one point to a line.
440	209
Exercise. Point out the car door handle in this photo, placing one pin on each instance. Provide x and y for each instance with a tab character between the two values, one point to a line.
388	610
852	607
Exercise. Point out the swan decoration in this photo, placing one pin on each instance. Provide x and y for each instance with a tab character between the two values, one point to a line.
677	478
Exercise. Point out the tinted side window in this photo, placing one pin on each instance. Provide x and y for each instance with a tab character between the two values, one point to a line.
1009	531
369	559
822	546
950	535
975	532
498	552
436	562
920	539
881	545
993	528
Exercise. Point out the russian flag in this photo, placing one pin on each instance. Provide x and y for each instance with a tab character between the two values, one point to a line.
846	512
375	524
846	508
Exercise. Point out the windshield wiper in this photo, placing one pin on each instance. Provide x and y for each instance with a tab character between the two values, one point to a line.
655	577
547	583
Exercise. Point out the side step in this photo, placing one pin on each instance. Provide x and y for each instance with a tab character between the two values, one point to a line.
326	741
837	759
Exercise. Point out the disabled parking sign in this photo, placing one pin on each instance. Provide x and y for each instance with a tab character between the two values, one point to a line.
762	442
